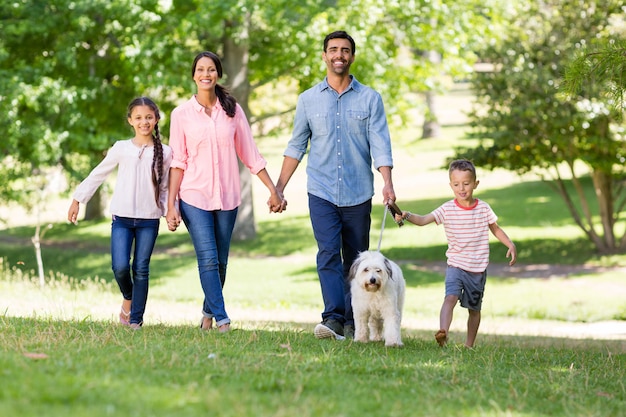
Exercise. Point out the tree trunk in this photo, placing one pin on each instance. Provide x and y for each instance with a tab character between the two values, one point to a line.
603	186
94	209
431	126
235	59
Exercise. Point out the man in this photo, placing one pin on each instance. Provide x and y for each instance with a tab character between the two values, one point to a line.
345	124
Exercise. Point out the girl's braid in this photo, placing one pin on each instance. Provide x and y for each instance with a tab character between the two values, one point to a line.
157	162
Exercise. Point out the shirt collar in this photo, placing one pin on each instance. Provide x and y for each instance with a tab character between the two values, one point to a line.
196	105
354	84
199	107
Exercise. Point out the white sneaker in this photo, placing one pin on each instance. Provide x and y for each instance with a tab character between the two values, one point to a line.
324	331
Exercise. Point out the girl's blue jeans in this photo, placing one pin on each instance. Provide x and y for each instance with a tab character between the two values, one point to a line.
211	233
143	232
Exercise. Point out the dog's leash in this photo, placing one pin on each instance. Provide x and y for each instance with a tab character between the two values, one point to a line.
382	227
394	209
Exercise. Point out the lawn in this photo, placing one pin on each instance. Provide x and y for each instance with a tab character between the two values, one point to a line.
86	368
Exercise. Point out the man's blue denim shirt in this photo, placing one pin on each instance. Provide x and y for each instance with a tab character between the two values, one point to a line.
347	132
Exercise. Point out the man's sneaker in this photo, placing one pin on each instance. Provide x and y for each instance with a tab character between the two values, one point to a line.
348	331
329	328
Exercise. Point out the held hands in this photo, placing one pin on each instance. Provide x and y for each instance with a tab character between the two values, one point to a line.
400	217
173	219
277	202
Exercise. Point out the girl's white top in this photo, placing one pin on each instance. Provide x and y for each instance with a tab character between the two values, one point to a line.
134	194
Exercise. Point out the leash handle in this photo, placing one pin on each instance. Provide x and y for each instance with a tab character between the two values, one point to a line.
382	227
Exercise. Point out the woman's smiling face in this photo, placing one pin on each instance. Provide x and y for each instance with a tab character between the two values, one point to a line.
206	74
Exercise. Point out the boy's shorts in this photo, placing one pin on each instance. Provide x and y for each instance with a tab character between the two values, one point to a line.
468	286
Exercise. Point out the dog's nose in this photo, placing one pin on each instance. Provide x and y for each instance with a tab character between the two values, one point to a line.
372	280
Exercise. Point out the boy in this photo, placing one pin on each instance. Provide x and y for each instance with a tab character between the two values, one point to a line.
467	222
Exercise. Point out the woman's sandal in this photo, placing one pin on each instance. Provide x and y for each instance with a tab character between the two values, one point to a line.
124	317
224	328
136	326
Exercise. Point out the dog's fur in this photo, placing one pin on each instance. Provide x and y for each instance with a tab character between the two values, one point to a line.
377	286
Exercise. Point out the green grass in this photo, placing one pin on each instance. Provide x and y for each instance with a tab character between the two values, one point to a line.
94	369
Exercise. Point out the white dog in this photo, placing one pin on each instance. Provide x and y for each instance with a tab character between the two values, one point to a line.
377	286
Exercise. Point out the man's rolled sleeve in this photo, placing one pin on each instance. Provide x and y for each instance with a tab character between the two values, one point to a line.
299	142
380	140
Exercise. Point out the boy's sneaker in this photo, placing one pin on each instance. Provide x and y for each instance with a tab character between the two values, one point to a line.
329	328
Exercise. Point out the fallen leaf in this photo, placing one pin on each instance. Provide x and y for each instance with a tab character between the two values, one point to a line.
34	355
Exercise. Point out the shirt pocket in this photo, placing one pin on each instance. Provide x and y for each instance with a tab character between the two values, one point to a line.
357	121
225	133
319	124
196	140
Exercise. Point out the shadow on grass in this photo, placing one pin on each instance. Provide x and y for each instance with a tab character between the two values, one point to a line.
296	332
284	236
84	251
540	251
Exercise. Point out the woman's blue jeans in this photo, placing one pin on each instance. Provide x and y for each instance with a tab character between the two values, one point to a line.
341	233
143	232
211	232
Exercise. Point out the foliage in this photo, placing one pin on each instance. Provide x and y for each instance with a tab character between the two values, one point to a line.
69	68
526	125
601	62
67	72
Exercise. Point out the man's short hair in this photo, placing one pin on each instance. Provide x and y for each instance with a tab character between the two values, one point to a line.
339	34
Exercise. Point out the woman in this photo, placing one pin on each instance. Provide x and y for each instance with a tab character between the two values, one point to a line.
208	133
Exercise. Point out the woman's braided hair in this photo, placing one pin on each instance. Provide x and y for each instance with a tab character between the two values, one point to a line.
157	160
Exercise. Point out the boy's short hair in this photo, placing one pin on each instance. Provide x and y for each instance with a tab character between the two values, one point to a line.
462	165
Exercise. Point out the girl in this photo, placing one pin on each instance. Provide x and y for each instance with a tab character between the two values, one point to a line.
139	200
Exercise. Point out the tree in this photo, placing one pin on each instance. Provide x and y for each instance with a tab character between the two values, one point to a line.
443	36
525	124
67	72
68	69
